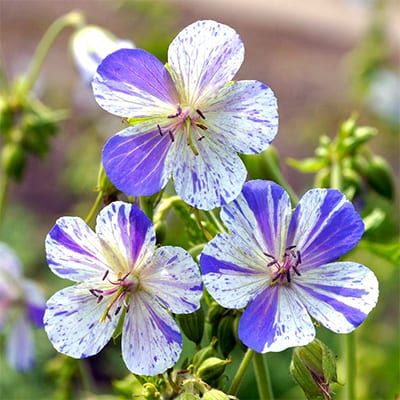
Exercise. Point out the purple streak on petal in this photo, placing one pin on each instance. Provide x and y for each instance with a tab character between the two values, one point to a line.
342	291
353	315
140	69
35	314
136	164
210	264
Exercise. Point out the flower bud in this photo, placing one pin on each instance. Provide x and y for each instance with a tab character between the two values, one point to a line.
313	367
205	353
380	177
150	391
361	135
192	325
104	184
13	160
188	396
215	312
215	394
212	368
226	338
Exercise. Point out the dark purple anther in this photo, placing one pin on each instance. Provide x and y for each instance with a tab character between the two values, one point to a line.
117	310
99	299
93	292
201	138
105	275
171	136
179	112
201	114
159	130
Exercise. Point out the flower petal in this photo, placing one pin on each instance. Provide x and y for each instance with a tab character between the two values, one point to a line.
19	345
9	261
173	278
74	251
232	271
35	302
133	83
275	320
339	295
324	227
134	160
127	235
72	321
210	179
244	116
151	341
203	58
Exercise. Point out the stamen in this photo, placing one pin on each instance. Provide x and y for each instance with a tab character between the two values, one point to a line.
298	257
201	126
93	292
179	112
100	298
291	247
189	137
269	255
296	270
201	138
171	136
288	275
117	310
159	130
272	263
201	114
105	275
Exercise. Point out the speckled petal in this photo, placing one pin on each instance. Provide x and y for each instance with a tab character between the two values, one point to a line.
72	321
210	179
203	58
35	302
133	83
151	341
339	295
324	227
173	278
244	116
74	251
275	321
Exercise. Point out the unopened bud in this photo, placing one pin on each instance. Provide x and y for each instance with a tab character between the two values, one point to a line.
150	391
13	160
361	136
347	128
205	353
215	312
380	177
215	394
212	369
192	325
104	185
226	338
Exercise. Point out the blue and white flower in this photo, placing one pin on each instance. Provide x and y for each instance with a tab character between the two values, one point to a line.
280	266
90	45
188	119
21	306
119	271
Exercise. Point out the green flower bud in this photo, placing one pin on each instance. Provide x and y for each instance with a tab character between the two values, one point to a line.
192	325
212	369
348	127
235	328
13	160
205	353
104	185
226	338
215	394
150	391
313	367
380	177
361	136
215	312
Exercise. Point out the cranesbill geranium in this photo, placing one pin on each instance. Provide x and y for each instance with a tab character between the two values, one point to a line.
120	271
279	265
21	306
188	118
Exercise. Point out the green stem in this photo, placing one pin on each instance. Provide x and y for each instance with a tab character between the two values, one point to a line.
263	377
72	19
350	362
196	250
86	378
146	206
336	176
275	174
4	185
94	208
215	221
240	372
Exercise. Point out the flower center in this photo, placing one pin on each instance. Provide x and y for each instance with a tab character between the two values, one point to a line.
281	270
185	118
119	292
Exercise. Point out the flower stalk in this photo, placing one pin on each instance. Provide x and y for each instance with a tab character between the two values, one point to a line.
263	377
237	380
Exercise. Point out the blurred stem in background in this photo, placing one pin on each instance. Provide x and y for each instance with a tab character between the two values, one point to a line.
74	19
4	184
263	377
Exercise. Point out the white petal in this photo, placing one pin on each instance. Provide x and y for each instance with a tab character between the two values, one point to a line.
72	321
151	341
339	295
275	321
244	116
127	236
203	58
210	179
174	279
74	251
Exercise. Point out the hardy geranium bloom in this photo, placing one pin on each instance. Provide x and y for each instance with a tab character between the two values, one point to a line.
90	45
21	305
120	272
279	265
188	119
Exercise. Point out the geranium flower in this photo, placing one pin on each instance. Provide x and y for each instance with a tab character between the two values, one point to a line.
120	271
279	265
188	118
21	306
90	45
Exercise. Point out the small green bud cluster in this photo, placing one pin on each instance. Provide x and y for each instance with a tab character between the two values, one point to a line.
313	367
349	156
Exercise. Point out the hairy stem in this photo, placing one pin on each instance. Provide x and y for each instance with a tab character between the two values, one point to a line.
240	372
263	377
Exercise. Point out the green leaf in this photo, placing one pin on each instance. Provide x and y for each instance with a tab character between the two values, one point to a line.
388	251
307	165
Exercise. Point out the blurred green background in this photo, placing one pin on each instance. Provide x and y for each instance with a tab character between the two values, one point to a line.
321	58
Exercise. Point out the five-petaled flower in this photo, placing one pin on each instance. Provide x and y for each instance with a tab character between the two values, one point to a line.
21	304
279	265
120	271
188	119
